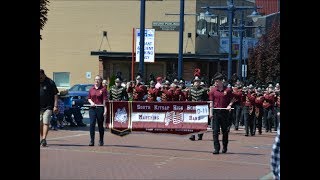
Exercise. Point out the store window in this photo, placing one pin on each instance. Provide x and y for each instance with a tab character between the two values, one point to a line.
62	79
207	24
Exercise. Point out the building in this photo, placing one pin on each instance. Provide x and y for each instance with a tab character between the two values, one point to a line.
84	38
268	6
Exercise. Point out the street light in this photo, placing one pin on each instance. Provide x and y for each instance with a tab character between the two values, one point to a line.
180	56
209	18
142	29
241	28
255	15
231	8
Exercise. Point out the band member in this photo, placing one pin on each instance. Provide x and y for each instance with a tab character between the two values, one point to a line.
269	99
118	92
248	114
97	98
159	82
277	112
152	92
238	95
129	88
138	90
178	95
197	93
258	109
165	93
184	89
221	97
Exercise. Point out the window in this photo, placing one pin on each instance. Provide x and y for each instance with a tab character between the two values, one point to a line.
62	79
207	24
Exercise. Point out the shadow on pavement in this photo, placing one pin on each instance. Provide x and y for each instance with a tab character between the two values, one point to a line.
68	145
171	149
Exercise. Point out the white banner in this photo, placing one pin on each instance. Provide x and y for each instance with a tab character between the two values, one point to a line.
147	117
148	45
202	110
194	118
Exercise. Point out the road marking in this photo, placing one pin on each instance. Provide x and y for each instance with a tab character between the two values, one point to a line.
62	137
159	164
162	156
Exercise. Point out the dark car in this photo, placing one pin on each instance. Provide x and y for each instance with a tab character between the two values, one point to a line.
79	94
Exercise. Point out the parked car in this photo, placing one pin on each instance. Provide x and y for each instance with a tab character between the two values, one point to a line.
79	94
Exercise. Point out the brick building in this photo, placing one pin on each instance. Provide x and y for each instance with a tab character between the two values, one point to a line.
74	48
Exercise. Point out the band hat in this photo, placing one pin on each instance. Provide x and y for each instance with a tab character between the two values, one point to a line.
218	76
196	79
138	78
118	80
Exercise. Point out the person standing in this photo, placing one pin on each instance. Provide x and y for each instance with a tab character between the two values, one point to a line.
258	112
248	114
275	155
117	92
97	98
221	96
197	93
48	104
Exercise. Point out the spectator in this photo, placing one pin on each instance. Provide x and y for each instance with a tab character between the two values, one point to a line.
275	156
48	104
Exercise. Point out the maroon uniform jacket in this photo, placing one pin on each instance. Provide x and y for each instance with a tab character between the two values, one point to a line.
258	104
178	95
152	94
237	94
165	95
139	91
269	100
249	102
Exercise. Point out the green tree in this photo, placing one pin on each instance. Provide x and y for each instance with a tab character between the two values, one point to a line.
264	59
43	13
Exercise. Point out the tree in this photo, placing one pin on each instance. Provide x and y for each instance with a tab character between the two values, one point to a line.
43	13
264	59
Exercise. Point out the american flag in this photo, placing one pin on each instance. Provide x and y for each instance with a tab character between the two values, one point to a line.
173	116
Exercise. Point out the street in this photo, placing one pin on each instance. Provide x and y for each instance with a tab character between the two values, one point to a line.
142	155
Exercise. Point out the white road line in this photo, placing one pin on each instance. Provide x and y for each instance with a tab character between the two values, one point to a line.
76	135
150	155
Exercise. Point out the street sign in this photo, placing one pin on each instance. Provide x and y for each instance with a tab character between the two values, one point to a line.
244	70
148	45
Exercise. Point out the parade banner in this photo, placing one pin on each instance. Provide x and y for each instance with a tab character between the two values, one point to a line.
159	117
120	117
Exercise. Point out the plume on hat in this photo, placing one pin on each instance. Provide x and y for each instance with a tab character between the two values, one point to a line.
196	72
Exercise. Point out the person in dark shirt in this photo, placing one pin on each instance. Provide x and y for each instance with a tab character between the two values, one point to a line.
48	104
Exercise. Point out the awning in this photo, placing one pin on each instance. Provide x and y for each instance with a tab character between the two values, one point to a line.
125	56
